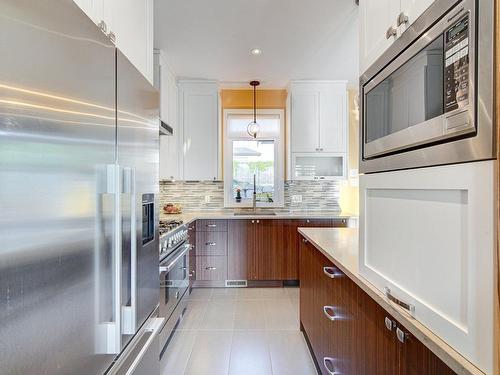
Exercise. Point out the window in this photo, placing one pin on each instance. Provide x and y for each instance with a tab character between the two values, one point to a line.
246	159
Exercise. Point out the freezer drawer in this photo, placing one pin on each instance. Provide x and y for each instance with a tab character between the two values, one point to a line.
141	355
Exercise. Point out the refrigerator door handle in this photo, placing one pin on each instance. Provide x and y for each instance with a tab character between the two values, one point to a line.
129	312
108	334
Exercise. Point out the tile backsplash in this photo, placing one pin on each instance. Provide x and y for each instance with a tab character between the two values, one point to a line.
209	195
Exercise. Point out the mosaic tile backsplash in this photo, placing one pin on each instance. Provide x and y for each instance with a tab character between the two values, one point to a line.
316	195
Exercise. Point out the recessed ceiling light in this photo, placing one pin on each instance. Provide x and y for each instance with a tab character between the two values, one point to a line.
256	51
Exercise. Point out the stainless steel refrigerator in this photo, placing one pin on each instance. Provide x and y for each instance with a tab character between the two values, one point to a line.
79	146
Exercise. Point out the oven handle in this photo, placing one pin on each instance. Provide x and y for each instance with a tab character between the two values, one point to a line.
187	247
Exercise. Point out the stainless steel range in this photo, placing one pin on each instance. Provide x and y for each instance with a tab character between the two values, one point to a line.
174	280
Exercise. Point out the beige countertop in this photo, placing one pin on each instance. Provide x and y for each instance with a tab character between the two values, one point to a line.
226	214
340	246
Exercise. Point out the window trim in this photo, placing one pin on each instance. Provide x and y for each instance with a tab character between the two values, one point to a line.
279	151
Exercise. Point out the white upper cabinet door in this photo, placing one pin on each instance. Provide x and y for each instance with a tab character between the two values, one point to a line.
333	119
93	9
376	19
132	23
199	121
305	120
413	9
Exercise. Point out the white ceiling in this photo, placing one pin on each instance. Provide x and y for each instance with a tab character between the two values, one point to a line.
300	39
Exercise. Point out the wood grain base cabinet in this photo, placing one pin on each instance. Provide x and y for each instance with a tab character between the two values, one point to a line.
350	333
211	252
267	250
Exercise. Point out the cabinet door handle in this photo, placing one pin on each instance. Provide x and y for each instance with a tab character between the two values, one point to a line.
304	240
102	25
112	37
328	364
211	225
391	32
210	268
409	307
258	222
331	316
402	19
211	243
331	272
389	324
401	335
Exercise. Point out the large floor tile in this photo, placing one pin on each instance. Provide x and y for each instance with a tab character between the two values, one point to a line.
219	315
289	353
249	293
280	315
224	294
176	356
293	292
193	317
250	354
249	315
201	294
210	354
274	293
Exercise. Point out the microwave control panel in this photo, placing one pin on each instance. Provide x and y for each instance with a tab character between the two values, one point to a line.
456	72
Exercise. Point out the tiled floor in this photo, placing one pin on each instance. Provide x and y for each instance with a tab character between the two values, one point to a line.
246	331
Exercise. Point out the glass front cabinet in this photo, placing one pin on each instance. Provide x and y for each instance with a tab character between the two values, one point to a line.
325	166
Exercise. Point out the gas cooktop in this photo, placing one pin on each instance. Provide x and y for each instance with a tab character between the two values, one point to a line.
166	226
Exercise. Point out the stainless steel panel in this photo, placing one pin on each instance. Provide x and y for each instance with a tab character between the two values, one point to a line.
482	146
137	153
57	135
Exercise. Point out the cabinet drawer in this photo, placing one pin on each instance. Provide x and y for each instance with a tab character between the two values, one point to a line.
211	243
211	225
211	268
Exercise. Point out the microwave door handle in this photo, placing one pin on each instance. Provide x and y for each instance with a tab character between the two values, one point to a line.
129	312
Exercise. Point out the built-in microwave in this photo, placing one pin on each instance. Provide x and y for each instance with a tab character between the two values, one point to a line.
428	100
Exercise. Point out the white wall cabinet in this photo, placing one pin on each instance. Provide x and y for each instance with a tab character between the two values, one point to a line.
317	129
131	24
170	149
199	122
380	25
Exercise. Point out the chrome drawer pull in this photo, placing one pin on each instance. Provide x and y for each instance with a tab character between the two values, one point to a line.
409	307
211	225
211	243
389	324
331	272
210	268
331	316
329	368
401	335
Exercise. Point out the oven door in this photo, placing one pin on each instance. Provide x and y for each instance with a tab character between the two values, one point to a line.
426	94
174	280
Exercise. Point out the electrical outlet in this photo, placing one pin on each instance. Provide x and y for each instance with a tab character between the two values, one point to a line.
296	198
208	199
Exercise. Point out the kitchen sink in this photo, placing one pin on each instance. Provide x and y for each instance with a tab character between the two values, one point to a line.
255	213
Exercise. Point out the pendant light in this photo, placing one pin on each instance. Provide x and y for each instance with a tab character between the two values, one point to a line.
253	128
